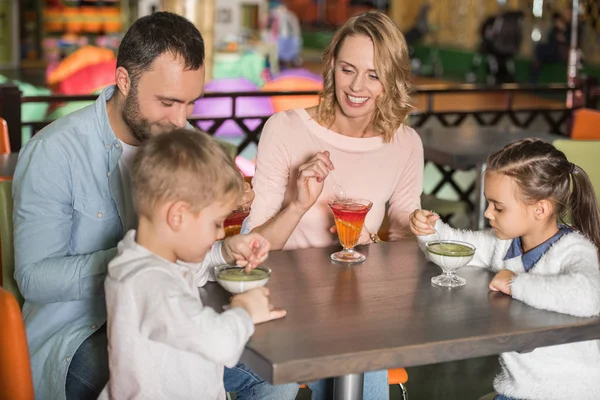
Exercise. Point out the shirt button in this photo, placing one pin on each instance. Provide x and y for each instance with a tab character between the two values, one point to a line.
67	358
94	326
116	145
100	215
107	146
108	173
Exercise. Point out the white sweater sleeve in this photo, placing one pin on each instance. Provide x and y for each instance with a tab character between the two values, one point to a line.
574	290
484	242
177	319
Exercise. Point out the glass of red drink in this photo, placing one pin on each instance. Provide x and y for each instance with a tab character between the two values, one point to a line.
233	222
349	215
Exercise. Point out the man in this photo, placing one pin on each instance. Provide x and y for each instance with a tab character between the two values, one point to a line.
72	204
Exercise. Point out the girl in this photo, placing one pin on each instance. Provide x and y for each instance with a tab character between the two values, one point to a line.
532	189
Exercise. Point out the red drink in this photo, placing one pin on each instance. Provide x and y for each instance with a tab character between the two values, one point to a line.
233	223
349	218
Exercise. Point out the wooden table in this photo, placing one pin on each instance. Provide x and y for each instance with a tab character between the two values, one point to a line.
385	313
8	162
468	147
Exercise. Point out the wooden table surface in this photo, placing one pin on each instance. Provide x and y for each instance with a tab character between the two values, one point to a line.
468	146
8	162
385	313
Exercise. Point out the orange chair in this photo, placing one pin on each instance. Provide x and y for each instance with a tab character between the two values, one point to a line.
15	370
586	124
396	376
4	138
399	376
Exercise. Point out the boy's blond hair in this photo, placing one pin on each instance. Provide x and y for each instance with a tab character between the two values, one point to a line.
186	165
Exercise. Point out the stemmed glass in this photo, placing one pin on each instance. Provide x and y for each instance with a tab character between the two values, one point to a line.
449	255
349	217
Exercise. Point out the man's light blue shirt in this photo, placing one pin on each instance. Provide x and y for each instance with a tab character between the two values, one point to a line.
68	217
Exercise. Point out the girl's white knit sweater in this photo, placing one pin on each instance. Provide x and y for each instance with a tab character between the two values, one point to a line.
566	279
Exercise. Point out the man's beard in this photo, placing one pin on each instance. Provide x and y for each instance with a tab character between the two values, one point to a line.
132	116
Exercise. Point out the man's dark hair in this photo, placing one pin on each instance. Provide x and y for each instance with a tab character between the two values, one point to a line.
156	34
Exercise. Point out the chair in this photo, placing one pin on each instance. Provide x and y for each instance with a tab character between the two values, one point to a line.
6	240
4	138
586	124
583	153
15	370
399	376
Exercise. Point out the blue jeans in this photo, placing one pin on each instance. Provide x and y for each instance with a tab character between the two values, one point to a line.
249	386
503	397
88	371
375	387
88	374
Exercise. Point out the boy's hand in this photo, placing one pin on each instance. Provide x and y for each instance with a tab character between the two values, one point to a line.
247	251
422	222
501	281
256	302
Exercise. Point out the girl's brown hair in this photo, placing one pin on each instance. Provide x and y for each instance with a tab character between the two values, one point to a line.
392	65
541	171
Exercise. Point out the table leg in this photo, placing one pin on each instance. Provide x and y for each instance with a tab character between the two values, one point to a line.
348	387
481	202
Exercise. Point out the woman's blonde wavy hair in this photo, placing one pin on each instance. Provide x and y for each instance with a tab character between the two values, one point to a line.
392	65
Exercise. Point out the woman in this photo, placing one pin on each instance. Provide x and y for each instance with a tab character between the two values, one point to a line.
354	138
356	131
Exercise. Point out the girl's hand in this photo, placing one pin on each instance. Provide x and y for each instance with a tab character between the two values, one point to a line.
311	179
422	222
501	281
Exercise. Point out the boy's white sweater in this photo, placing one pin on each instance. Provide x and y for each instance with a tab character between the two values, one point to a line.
163	343
566	280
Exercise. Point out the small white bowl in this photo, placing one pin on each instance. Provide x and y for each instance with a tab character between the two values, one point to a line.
450	254
240	282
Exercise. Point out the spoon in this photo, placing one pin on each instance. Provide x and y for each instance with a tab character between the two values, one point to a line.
338	190
265	240
436	232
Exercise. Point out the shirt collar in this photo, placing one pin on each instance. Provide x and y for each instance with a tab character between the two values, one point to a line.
534	255
108	136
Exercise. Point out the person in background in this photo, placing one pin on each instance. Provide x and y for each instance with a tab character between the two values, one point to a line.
556	48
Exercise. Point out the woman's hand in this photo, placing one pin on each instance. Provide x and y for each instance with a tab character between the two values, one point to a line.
247	196
311	178
422	222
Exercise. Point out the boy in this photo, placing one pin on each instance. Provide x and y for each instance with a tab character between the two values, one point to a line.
163	344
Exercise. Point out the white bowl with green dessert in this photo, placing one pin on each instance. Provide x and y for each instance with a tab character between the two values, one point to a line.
449	255
236	280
